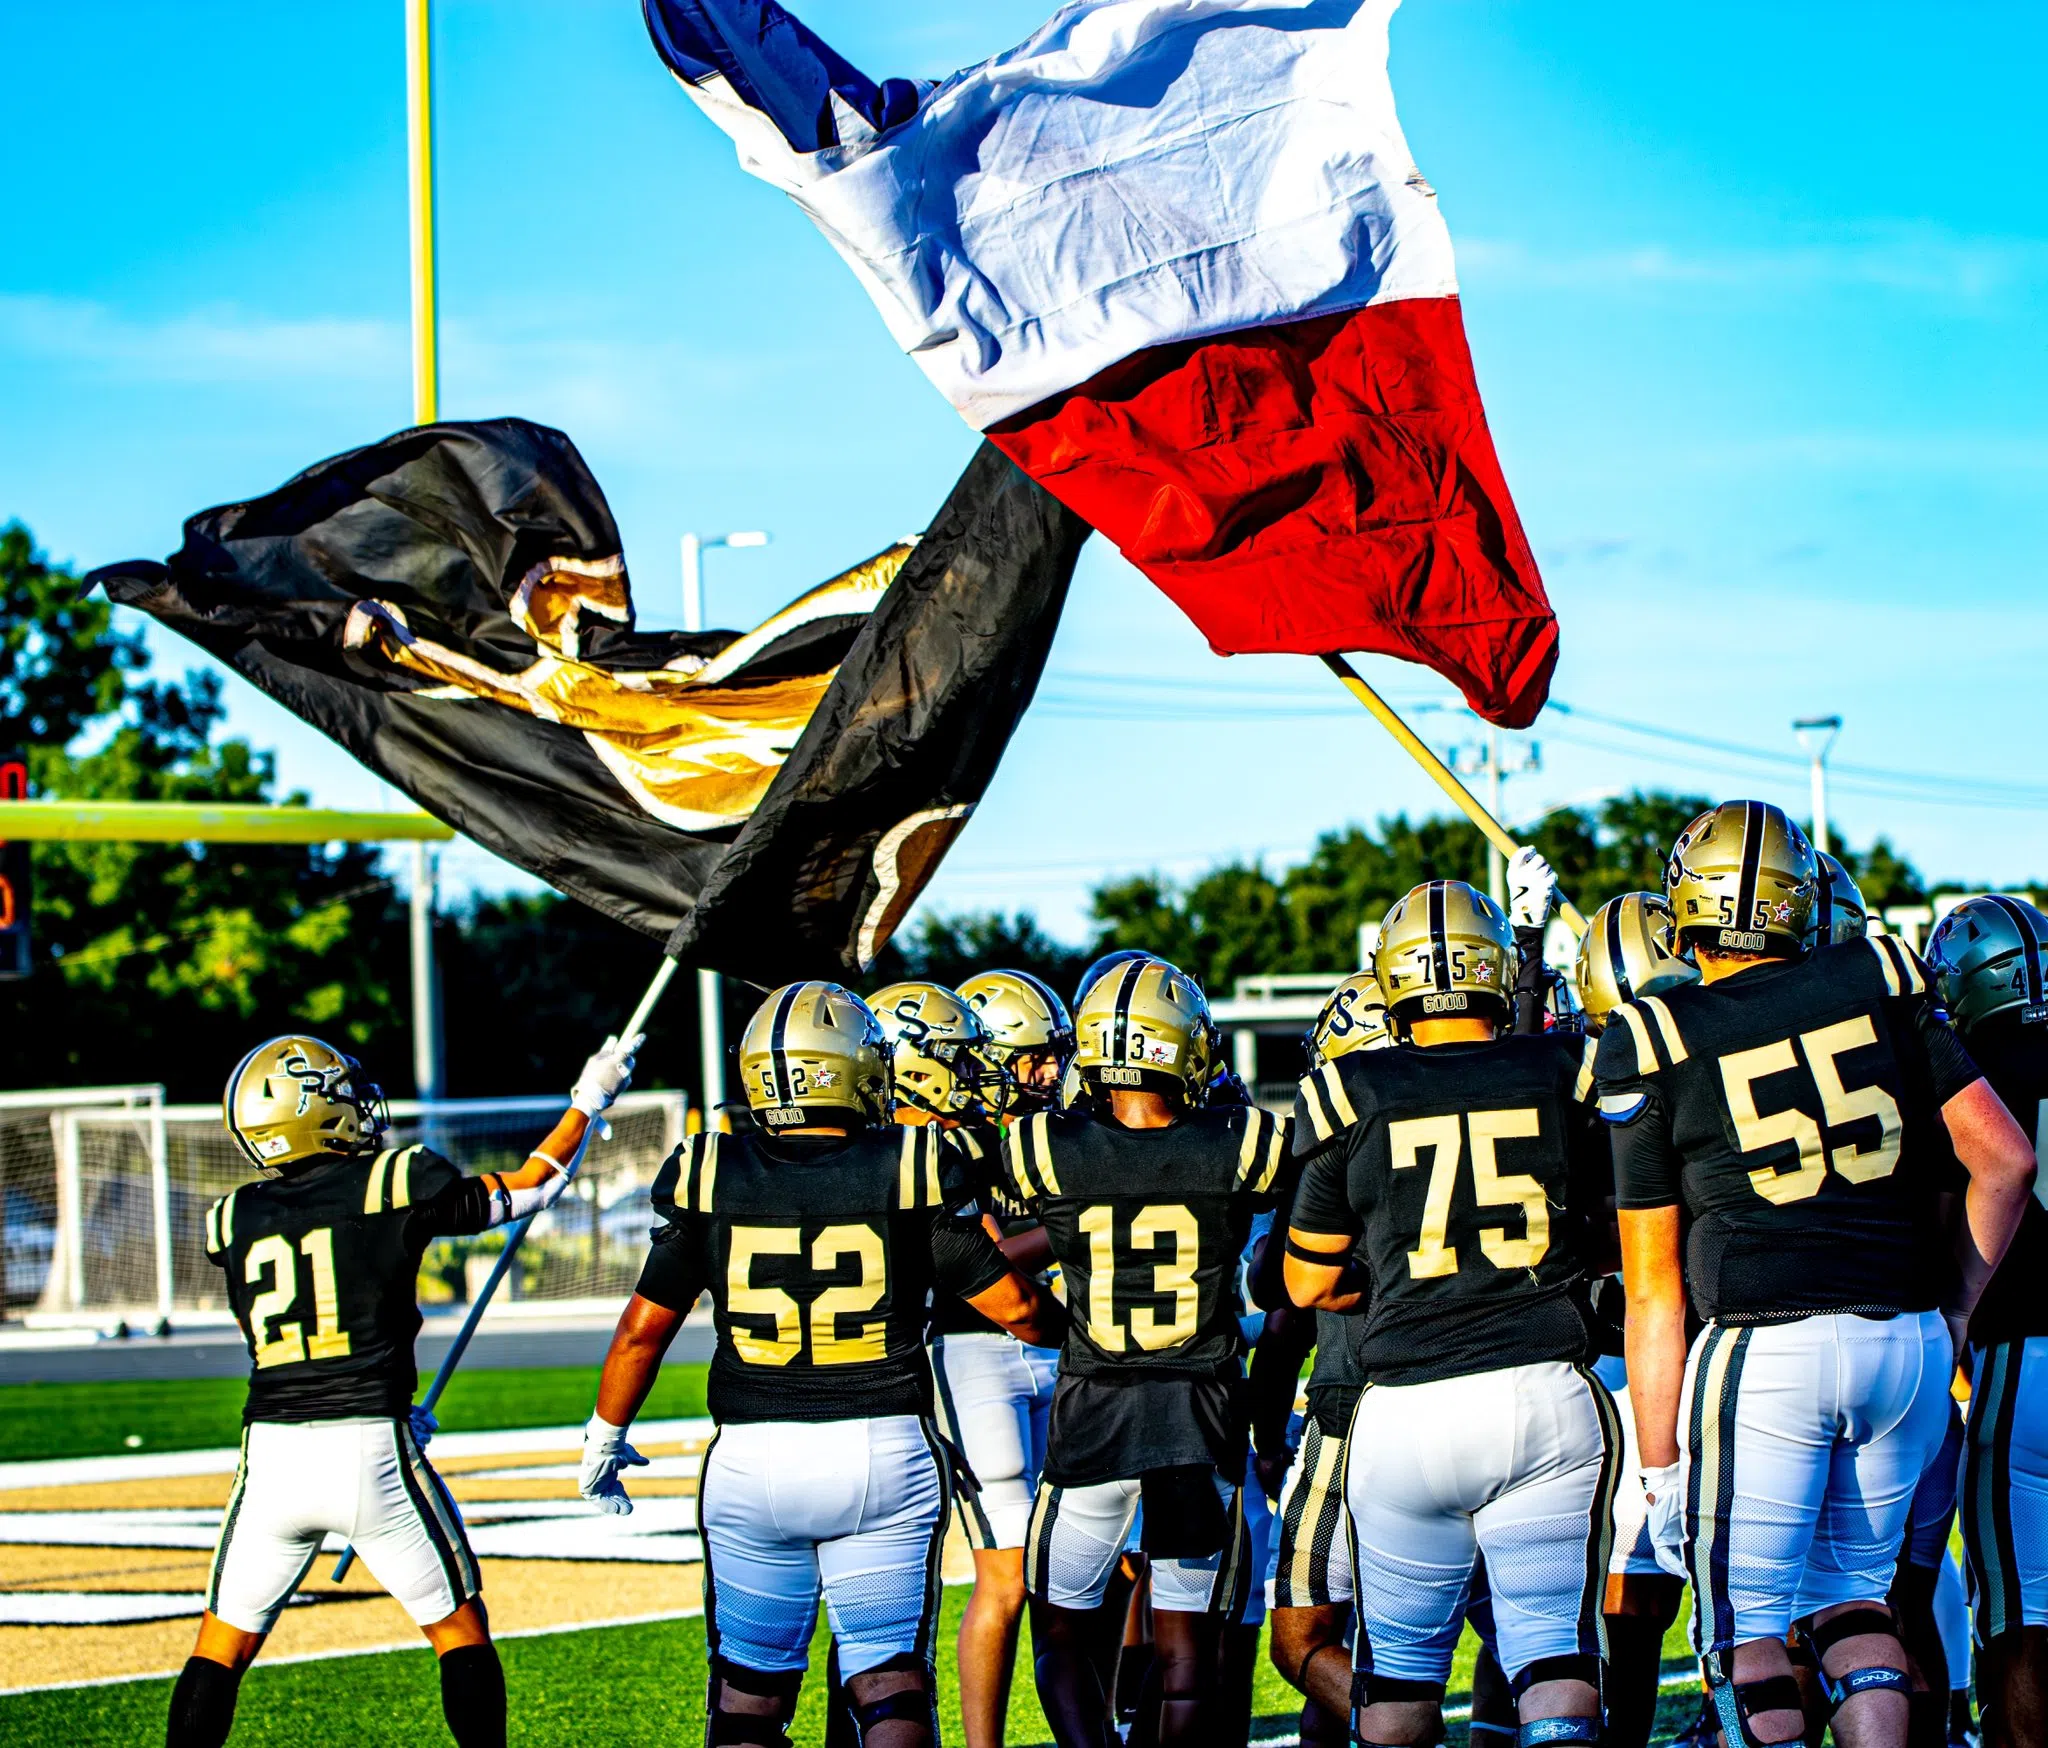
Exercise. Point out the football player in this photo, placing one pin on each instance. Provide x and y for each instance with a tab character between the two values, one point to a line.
1468	1164
322	1258
994	1392
1311	1587
819	1236
1839	913
1790	1107
1146	1197
1989	957
1628	950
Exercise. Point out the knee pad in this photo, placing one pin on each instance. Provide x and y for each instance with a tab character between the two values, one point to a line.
777	1684
1549	1732
1580	1666
1368	1689
1874	1678
729	1729
1735	1706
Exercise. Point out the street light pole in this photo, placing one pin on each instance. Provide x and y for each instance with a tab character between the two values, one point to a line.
1817	735
710	1004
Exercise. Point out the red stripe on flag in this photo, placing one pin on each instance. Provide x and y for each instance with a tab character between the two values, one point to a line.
1314	487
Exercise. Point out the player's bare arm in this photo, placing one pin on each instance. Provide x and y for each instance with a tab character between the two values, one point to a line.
1025	1309
1995	1151
1655	1335
1314	1284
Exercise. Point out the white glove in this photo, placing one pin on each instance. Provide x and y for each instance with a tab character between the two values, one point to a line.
424	1425
1666	1521
1532	889
605	1453
605	1076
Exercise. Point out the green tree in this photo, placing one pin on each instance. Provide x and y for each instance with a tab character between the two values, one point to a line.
61	662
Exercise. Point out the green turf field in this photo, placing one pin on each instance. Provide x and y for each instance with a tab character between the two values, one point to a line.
628	1687
99	1420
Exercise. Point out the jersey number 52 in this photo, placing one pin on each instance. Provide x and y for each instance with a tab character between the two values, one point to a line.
828	1346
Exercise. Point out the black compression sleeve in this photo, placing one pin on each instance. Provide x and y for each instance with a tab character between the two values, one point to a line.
1275	1373
965	1258
1646	1166
1532	984
674	1274
464	1206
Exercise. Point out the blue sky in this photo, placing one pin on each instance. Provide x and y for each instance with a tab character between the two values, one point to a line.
1755	295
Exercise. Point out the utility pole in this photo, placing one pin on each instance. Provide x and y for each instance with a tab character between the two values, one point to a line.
710	1002
427	1052
1817	735
1488	758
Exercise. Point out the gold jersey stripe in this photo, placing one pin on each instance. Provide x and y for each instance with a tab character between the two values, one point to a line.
906	1168
1582	1088
373	1187
227	1218
1013	1151
401	1179
707	1171
933	1196
1276	1149
213	1227
1674	1045
1041	1131
1333	1089
1646	1053
1310	1096
1886	963
1255	1121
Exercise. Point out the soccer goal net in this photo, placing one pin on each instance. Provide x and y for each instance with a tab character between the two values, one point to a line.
105	1198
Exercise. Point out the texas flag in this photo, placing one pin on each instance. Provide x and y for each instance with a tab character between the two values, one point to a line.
1175	259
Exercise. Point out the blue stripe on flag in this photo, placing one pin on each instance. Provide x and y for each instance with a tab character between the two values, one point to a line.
775	64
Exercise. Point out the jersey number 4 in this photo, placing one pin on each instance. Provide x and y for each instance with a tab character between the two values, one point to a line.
828	1346
1444	1139
1164	1223
272	1258
1742	1070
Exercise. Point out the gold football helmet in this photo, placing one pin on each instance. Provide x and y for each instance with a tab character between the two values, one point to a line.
1839	913
941	1056
1990	956
1031	1032
1627	951
814	1054
1447	951
1143	1025
295	1098
1742	879
1354	1018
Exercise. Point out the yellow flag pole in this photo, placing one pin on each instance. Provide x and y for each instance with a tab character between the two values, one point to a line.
419	131
1446	779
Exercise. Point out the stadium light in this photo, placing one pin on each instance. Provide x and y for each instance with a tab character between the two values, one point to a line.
1817	735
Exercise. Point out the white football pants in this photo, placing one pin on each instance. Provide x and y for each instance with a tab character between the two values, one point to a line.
2005	1485
856	1508
1517	1465
994	1399
1802	1444
364	1480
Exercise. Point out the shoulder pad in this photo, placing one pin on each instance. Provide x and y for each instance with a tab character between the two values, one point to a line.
1642	1036
220	1224
1263	1149
917	1166
1902	968
1027	1149
1323	1106
400	1176
688	1179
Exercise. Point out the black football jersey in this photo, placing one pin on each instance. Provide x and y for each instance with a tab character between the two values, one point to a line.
1473	1174
1148	1226
2014	1059
820	1254
981	1151
1336	1377
322	1272
1794	1112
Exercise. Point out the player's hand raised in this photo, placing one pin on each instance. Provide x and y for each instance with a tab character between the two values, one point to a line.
1532	890
605	1076
605	1454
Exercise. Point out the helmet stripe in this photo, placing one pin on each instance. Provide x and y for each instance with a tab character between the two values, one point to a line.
2019	920
778	1044
1439	936
1617	962
1752	861
1824	902
1126	988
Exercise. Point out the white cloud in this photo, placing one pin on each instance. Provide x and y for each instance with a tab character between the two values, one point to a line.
219	343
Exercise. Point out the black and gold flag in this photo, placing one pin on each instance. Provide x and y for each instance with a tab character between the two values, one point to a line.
452	606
